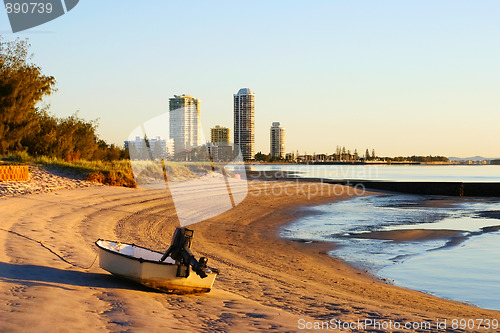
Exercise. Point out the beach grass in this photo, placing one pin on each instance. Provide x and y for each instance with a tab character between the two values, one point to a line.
115	173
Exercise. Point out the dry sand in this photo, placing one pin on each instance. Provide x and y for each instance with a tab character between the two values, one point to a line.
266	283
44	179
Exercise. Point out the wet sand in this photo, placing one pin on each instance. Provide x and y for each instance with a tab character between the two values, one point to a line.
266	283
409	235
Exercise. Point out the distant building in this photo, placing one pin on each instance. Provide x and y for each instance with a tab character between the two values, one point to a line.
221	152
185	123
219	134
244	123
277	141
219	148
170	147
158	148
290	157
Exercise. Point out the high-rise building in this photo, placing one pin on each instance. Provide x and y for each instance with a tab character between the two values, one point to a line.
219	147
219	134
277	141
244	122
185	124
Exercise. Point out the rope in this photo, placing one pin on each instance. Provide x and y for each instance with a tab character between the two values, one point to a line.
50	250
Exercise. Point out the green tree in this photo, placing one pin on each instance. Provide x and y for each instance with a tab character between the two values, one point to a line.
262	157
77	138
22	87
69	138
42	139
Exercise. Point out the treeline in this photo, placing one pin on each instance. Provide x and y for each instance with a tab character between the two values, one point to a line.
70	138
342	154
25	126
260	157
421	159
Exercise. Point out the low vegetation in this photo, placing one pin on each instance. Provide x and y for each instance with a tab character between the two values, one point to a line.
116	173
152	171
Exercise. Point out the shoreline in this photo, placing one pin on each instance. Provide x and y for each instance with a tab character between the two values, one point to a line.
384	301
266	282
400	242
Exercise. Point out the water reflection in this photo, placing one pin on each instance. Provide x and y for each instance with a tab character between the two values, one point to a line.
434	244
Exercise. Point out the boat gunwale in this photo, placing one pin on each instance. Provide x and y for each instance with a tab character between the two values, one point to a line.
141	260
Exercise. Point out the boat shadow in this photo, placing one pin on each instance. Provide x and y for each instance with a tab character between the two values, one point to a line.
36	275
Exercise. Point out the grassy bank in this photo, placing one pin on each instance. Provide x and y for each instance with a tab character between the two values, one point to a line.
115	173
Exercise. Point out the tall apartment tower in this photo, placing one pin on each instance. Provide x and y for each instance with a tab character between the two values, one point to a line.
277	141
185	124
219	134
244	122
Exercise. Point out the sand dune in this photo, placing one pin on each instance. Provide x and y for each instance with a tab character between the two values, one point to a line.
266	283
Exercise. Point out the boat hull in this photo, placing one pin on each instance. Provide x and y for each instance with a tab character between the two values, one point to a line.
143	266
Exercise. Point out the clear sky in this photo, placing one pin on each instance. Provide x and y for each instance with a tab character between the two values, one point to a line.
402	77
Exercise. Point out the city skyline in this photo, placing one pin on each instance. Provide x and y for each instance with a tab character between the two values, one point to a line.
403	78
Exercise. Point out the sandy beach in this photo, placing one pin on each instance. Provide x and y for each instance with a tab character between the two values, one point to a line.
266	283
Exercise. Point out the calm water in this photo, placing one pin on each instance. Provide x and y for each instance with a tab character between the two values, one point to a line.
465	267
460	173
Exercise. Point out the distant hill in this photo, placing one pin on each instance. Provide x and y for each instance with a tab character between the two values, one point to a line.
474	158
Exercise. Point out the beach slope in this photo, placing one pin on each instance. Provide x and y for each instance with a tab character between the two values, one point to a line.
266	283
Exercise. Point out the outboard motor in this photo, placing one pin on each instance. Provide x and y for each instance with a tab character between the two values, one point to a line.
179	251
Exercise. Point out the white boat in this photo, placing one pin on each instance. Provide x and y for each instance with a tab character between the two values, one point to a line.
144	266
